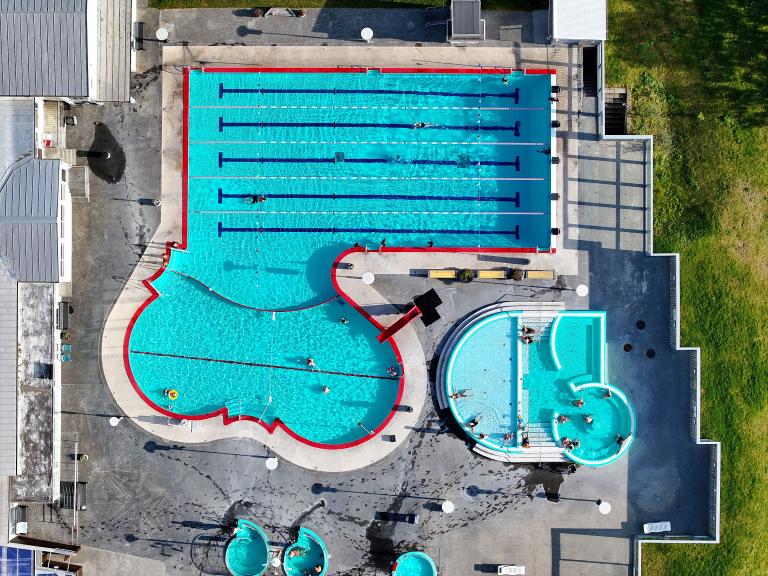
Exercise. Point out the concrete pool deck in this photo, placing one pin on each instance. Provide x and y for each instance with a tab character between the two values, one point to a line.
166	502
135	293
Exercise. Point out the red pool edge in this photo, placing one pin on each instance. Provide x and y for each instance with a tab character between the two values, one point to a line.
223	412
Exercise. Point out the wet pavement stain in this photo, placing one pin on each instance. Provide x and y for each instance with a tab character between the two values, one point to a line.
304	516
548	476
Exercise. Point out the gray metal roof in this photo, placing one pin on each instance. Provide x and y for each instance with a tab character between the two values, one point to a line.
43	48
465	18
29	232
17	130
114	51
8	343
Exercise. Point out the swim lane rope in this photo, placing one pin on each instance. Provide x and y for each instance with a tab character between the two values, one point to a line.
240	304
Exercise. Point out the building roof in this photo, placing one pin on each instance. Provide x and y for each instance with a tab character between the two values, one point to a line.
43	48
29	231
465	19
579	19
8	344
17	131
35	404
114	51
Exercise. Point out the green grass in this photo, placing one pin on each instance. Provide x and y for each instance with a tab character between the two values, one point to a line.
488	4
698	77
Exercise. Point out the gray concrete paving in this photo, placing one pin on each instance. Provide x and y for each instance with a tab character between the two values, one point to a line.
334	26
168	502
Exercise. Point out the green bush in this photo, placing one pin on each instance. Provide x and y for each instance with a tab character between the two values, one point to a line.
466	275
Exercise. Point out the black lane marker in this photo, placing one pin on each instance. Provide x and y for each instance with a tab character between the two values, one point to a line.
514	198
288	160
515	128
514	94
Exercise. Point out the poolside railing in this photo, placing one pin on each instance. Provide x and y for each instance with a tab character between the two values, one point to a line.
646	140
695	391
714	491
674	302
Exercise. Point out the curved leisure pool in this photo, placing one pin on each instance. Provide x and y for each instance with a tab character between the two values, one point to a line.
284	172
515	390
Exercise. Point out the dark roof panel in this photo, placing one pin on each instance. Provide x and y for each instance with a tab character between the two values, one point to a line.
465	18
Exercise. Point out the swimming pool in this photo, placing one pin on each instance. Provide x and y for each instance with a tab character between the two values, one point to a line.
247	553
515	391
285	170
414	564
308	555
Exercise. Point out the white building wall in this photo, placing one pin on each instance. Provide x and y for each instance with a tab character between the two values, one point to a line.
65	226
577	20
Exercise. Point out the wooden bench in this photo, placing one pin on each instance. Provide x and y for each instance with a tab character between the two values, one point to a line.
442	274
492	274
540	274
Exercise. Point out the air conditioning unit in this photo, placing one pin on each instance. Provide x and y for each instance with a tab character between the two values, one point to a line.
21	528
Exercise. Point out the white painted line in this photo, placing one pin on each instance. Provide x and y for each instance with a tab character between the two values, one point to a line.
433	142
373	178
271	107
364	212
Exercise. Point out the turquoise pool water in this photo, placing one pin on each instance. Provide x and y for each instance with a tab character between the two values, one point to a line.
489	390
518	389
305	555
247	553
337	161
414	564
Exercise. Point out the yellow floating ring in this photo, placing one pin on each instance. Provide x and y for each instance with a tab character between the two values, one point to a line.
173	394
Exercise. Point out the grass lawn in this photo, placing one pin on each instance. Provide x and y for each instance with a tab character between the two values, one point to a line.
487	4
698	75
